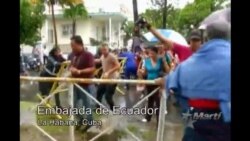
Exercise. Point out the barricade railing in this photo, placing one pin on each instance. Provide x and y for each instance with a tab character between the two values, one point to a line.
55	89
74	81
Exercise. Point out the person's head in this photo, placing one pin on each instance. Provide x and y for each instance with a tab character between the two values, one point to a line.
153	52
218	30
195	40
56	51
146	50
76	44
136	31
104	49
160	47
124	50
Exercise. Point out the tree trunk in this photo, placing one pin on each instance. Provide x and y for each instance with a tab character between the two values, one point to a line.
54	22
164	20
74	27
135	10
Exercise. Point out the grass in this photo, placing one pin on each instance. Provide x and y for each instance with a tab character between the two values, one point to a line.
120	133
56	130
148	135
133	129
52	128
24	105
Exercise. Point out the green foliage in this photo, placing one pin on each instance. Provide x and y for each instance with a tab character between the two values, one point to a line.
158	3
94	42
31	20
75	11
181	19
194	13
128	28
154	16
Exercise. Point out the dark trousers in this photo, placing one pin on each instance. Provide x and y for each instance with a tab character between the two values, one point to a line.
45	87
130	72
57	100
80	100
45	58
207	129
109	91
154	99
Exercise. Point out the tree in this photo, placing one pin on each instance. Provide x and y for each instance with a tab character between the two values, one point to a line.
154	16
181	19
31	21
128	28
51	4
164	14
162	5
75	12
194	13
135	10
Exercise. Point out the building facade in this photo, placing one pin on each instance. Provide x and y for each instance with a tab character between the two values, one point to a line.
103	24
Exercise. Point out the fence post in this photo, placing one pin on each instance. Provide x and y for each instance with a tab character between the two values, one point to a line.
71	105
161	124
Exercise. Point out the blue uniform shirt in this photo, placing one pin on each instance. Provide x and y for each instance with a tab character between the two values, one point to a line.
206	75
130	62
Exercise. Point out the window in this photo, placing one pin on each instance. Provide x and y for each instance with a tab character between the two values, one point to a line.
67	30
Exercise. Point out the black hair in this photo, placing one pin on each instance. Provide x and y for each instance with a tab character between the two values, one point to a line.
124	50
53	50
136	31
77	39
153	48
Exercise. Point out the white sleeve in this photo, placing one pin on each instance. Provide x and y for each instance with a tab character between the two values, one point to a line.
143	63
129	46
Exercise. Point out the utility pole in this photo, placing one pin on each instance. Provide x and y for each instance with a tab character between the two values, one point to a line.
164	18
135	10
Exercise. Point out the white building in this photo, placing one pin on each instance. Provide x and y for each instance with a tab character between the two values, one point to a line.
103	24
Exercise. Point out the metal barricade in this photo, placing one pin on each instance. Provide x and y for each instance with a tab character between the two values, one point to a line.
55	89
73	81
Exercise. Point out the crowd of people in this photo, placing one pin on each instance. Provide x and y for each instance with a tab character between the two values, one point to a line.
199	77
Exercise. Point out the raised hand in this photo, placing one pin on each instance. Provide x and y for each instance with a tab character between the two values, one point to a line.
141	22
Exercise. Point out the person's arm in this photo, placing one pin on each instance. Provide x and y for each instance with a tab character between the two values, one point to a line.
87	70
166	67
53	61
142	72
97	61
116	65
62	59
182	52
91	66
168	44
